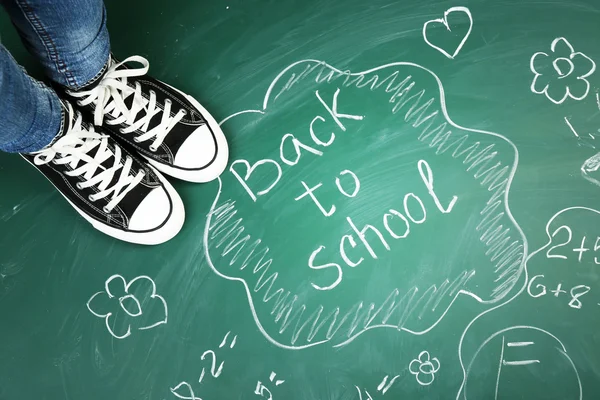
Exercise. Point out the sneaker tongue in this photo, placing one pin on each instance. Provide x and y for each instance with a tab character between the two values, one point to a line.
156	119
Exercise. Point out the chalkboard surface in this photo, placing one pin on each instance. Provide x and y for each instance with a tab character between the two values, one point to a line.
410	212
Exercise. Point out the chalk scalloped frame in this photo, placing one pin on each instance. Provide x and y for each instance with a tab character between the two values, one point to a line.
266	102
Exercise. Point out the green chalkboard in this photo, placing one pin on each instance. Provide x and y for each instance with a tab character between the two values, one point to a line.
410	211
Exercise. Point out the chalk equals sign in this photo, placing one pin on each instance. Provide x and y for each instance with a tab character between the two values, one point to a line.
521	362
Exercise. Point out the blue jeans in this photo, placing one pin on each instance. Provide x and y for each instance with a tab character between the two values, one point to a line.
70	40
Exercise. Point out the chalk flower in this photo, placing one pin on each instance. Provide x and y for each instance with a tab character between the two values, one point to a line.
424	368
562	73
118	299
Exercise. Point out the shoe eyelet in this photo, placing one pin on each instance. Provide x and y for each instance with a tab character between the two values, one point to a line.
79	103
90	198
152	92
153	149
184	113
78	185
136	140
169	102
105	209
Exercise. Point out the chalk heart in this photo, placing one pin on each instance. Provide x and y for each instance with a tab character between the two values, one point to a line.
354	202
436	24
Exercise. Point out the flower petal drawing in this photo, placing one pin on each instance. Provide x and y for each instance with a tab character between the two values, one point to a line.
107	285
566	64
112	332
556	94
89	307
153	295
559	65
130	299
424	368
579	86
162	321
425	379
533	69
129	306
414	367
561	43
581	60
436	364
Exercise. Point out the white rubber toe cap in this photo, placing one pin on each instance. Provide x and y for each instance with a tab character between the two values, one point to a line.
198	150
158	218
152	212
199	159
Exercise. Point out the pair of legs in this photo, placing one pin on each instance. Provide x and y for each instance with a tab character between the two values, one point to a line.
110	131
70	40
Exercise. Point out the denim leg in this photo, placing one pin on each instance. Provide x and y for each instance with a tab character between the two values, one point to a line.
69	37
30	112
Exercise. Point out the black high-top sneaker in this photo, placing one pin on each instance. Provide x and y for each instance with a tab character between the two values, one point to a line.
113	190
167	127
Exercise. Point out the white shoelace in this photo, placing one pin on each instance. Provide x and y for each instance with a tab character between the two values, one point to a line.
109	97
73	149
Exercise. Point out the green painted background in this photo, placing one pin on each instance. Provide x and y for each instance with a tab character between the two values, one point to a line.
383	313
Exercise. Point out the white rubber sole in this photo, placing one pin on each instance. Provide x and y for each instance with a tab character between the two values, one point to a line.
216	168
169	230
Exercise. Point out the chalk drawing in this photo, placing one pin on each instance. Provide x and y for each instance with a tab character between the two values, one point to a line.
384	386
590	166
184	390
225	231
576	292
553	233
215	371
510	357
131	300
188	392
360	394
571	127
444	21
523	288
265	392
566	63
241	113
424	368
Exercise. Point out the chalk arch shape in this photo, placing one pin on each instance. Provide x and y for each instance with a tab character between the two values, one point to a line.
291	321
556	229
525	351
